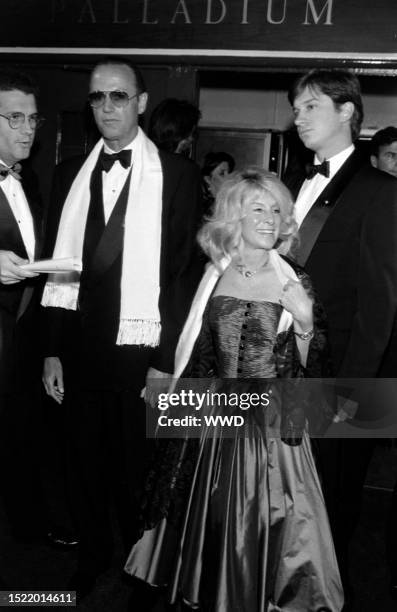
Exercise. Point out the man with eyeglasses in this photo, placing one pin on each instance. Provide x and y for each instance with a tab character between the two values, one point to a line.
20	235
131	213
18	123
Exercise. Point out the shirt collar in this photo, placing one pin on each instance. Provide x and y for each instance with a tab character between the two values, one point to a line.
107	149
336	161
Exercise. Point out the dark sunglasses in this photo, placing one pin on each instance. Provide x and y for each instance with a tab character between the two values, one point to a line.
118	98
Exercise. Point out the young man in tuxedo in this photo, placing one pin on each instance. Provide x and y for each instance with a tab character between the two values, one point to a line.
384	157
347	213
130	212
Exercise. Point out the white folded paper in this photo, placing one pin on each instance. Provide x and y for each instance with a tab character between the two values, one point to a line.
46	266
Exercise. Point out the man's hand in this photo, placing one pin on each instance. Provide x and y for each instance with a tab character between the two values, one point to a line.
10	271
156	382
53	378
346	409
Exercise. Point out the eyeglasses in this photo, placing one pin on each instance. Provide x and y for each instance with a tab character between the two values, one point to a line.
17	120
118	98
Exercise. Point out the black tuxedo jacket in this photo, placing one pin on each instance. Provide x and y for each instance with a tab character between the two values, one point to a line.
180	265
18	302
349	249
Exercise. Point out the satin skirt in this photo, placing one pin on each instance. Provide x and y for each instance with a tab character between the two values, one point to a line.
255	535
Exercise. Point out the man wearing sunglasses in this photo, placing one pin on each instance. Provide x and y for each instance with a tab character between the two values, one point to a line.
20	222
131	213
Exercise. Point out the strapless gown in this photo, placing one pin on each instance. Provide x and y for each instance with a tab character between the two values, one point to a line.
254	534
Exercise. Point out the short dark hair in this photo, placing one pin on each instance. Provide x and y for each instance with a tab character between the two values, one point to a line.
118	60
11	79
340	85
171	121
383	137
213	159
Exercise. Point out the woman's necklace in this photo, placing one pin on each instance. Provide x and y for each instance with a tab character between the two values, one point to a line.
248	272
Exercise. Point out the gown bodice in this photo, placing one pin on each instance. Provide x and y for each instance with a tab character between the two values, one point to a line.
244	335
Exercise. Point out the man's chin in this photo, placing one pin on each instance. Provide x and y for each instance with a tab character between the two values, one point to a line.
23	153
309	144
110	136
109	130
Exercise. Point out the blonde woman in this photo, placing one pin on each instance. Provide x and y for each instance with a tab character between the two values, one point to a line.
239	524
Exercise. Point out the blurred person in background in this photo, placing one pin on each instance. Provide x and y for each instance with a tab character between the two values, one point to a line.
173	126
384	157
384	150
216	168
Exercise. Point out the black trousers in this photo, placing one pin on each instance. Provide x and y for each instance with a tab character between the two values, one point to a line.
343	465
26	432
391	538
22	453
108	458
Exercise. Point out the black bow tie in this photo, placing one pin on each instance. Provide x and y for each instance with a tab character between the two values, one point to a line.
14	171
108	159
313	169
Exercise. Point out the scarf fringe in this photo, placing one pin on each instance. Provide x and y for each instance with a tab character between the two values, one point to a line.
139	331
61	295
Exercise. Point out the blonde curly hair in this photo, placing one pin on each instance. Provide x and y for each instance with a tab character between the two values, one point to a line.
221	234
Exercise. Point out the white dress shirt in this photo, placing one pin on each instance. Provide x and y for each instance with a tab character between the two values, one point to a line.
20	209
113	181
312	188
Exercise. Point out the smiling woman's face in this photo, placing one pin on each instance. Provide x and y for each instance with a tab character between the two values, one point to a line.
260	225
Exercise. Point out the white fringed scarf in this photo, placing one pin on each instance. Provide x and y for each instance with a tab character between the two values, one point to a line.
193	323
140	276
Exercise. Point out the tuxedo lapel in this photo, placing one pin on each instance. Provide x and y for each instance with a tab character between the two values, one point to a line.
111	242
170	180
30	188
12	237
34	202
310	230
322	208
38	232
10	233
95	225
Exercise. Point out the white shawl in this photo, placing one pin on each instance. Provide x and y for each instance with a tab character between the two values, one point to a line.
194	320
140	278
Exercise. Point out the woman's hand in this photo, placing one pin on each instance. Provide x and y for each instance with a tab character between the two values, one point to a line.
295	299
